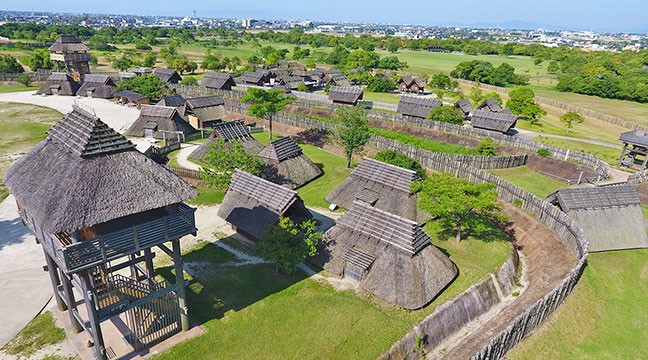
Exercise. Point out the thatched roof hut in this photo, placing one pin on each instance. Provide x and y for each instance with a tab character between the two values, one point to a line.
417	106
176	101
229	131
345	95
59	84
384	186
411	84
610	216
205	111
214	80
252	205
131	98
287	164
167	75
335	78
490	104
388	255
68	44
85	173
465	106
258	77
97	86
160	122
495	121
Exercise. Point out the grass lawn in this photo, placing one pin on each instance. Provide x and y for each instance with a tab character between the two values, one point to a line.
381	97
21	127
207	197
604	318
607	154
537	184
16	88
589	129
251	312
41	331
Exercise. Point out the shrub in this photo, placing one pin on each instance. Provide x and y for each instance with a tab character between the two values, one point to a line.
399	159
446	113
543	152
486	147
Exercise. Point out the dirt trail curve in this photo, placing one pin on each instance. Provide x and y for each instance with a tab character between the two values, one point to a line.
547	261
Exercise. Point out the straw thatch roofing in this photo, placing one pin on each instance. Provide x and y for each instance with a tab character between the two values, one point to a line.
130	95
465	106
635	137
345	94
206	108
292	82
253	204
337	78
496	121
68	43
399	263
229	131
258	77
610	216
100	86
287	164
214	80
409	81
85	173
160	119
417	106
172	101
491	104
385	186
61	82
167	75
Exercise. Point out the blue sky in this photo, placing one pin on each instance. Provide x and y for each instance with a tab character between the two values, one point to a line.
597	15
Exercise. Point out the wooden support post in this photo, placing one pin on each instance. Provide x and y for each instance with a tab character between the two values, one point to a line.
69	296
182	295
133	270
623	152
150	271
90	297
52	269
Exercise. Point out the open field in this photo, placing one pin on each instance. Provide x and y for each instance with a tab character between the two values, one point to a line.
251	312
589	129
15	88
607	154
537	184
21	127
604	318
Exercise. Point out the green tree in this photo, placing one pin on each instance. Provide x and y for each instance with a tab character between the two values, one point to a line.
142	45
399	159
486	147
521	103
353	132
38	59
361	60
9	64
447	113
391	63
287	244
392	47
189	80
122	63
264	104
149	59
302	87
24	79
381	84
442	81
182	64
570	118
223	158
458	201
149	85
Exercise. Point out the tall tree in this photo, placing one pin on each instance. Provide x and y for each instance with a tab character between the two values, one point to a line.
287	244
521	102
9	64
223	159
149	85
570	118
265	103
456	201
353	133
446	113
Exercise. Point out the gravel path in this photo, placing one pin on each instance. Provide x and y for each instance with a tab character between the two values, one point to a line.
185	150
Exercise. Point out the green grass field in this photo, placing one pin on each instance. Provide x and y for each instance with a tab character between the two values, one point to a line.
40	332
537	184
251	312
604	318
16	88
607	154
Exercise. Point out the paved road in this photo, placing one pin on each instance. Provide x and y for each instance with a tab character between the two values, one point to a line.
25	286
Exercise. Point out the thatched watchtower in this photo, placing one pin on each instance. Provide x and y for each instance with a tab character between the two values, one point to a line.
387	255
71	55
287	164
97	206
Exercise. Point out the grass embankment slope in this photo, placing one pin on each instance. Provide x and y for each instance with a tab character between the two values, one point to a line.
536	183
21	127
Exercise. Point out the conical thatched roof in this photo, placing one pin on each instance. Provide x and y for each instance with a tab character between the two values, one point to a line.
287	164
160	119
253	204
397	261
229	131
385	186
61	83
85	173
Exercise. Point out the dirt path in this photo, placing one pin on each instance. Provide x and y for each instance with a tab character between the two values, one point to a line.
547	262
183	156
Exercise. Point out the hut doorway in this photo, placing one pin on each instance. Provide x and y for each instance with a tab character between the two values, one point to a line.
55	91
353	272
148	133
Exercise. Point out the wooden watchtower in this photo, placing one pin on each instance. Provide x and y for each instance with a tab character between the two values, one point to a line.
71	56
98	207
635	143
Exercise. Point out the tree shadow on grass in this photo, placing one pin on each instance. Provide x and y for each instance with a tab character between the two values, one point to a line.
215	289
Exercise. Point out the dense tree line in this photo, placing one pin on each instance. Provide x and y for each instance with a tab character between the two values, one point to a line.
485	72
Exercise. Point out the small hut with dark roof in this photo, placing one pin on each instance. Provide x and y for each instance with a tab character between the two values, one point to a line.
417	106
160	122
206	111
131	98
345	95
229	131
176	101
388	255
495	121
411	84
335	78
639	141
490	104
59	84
97	86
259	77
97	205
252	205
169	76
220	81
610	216
287	164
465	106
382	185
